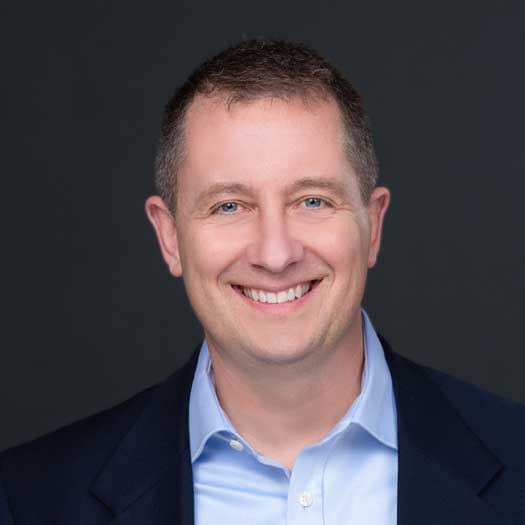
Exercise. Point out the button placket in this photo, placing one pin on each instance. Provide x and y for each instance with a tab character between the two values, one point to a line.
306	498
305	505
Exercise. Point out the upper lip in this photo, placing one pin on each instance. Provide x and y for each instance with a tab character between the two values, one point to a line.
276	288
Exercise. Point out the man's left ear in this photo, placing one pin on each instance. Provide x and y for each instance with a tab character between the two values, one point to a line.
377	206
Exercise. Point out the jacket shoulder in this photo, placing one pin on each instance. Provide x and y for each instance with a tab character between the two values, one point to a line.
499	422
92	432
65	461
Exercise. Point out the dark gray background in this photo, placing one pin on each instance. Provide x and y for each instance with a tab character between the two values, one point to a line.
92	315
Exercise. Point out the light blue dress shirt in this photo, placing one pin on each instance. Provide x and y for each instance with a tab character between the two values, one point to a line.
348	477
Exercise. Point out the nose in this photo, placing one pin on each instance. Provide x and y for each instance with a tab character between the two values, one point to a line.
274	248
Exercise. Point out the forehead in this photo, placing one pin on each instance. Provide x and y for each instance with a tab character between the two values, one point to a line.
266	142
240	120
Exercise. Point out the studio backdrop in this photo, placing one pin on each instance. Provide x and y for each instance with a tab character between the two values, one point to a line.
91	313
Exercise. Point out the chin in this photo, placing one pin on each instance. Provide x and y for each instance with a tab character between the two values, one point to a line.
280	352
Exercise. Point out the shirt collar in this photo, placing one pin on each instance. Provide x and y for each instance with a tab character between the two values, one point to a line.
374	409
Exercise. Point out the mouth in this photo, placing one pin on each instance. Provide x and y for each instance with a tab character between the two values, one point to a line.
286	296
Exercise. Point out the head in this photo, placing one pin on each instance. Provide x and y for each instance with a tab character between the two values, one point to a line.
267	176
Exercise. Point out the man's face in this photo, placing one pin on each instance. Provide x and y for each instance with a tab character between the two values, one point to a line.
268	207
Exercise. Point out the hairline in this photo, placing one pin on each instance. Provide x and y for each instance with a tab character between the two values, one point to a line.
308	96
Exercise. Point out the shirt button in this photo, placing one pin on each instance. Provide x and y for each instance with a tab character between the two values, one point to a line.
236	445
306	499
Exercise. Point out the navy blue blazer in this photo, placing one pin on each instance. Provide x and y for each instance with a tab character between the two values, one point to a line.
461	458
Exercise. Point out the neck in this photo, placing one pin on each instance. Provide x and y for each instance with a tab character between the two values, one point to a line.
280	409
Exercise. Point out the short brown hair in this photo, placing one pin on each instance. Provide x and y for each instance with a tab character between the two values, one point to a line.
255	69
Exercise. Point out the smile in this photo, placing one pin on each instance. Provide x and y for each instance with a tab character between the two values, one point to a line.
277	297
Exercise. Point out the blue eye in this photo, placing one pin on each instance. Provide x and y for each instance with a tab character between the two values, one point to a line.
228	207
313	202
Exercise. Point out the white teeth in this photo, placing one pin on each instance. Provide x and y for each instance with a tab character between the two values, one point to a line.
280	297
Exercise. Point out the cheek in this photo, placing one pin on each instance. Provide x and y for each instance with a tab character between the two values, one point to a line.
207	252
340	244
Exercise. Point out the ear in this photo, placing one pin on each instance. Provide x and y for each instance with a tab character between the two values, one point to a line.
377	206
165	227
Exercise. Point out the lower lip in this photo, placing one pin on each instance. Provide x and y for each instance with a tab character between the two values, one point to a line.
287	307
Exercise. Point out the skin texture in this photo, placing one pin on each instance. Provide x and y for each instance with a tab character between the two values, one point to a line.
285	374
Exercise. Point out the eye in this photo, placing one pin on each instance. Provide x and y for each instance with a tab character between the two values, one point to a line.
227	208
314	202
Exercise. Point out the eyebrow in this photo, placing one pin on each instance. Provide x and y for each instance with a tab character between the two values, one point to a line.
332	185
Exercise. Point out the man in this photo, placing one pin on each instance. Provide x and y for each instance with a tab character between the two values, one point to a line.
293	410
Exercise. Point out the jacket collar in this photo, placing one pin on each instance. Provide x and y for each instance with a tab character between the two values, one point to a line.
149	477
443	466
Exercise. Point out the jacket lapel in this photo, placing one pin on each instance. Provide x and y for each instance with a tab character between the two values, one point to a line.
443	466
149	477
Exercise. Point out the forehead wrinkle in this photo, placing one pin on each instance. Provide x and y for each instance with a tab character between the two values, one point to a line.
337	187
221	188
